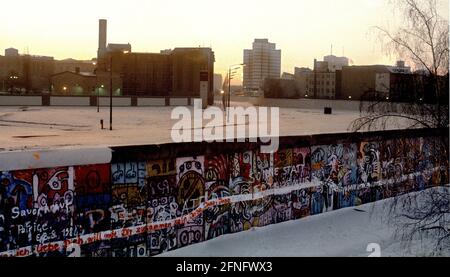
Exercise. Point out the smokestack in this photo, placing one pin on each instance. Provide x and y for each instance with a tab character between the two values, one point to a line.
102	23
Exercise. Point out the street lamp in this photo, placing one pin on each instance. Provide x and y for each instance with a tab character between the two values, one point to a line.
230	76
110	87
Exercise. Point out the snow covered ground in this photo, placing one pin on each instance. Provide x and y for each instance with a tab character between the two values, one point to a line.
45	127
342	233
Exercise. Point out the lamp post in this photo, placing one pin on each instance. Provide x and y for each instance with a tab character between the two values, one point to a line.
110	88
230	76
110	91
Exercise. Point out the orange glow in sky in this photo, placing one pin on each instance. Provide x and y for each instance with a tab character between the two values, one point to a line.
302	29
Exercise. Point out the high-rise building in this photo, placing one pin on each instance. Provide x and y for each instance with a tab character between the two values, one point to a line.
335	63
261	62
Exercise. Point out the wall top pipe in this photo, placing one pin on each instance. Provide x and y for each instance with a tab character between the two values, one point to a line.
27	159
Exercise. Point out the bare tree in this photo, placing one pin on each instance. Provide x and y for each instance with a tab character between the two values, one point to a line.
422	41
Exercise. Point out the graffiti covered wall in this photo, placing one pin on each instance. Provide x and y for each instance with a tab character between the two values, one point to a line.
147	202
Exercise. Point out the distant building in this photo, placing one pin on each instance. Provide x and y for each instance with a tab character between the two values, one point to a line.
168	73
118	47
287	76
74	65
218	83
301	79
11	52
187	63
362	82
75	83
261	62
319	83
400	68
280	88
166	51
25	73
335	63
147	74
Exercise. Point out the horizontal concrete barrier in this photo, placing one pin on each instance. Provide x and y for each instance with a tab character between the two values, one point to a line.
117	101
69	101
12	100
14	160
309	103
178	101
151	101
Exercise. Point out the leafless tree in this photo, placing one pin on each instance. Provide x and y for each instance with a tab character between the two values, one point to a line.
423	41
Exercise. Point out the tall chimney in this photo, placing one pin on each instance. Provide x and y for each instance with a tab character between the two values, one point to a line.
102	23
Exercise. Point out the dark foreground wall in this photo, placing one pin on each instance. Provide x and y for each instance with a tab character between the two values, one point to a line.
157	198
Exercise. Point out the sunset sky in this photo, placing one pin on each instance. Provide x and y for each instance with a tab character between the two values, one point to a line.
302	29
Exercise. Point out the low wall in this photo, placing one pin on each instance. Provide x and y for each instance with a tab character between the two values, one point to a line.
310	103
302	103
116	101
145	200
72	101
121	101
178	101
151	101
11	100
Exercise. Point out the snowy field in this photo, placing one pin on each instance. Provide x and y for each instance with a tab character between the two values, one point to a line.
342	233
44	127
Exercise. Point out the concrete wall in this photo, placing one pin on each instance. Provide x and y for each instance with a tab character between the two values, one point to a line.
69	101
298	103
310	103
145	200
38	100
9	100
117	101
151	101
178	101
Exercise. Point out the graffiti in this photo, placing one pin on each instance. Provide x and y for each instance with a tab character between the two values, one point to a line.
301	203
161	186
241	216
162	204
138	209
282	208
283	168
263	212
333	168
53	193
16	209
347	197
241	174
191	193
216	185
93	198
159	210
369	162
161	168
263	172
301	162
129	197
